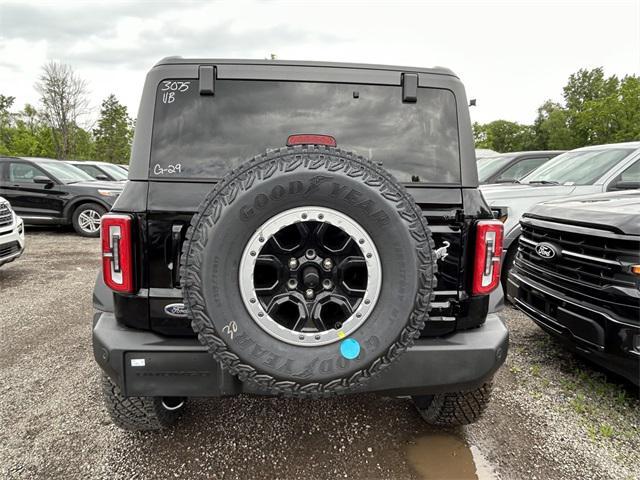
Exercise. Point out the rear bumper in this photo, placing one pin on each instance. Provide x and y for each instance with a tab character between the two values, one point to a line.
613	343
146	364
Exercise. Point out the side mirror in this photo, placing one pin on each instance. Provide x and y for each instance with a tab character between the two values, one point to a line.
42	180
624	185
102	177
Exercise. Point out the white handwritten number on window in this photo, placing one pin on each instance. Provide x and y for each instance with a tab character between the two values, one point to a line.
170	169
170	88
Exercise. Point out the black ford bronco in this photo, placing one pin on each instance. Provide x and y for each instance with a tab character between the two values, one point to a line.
302	229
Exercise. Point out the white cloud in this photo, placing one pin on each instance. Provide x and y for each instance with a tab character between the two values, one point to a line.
510	55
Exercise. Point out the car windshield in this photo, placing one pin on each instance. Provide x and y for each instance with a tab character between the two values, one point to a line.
115	171
582	167
66	173
488	166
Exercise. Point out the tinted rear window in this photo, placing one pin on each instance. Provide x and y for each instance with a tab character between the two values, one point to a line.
202	137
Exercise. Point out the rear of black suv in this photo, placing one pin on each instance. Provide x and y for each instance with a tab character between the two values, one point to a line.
577	275
302	229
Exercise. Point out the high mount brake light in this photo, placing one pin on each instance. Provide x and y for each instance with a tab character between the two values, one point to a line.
488	252
117	252
309	139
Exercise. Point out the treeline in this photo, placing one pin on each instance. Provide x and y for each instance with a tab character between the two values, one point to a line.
55	129
596	109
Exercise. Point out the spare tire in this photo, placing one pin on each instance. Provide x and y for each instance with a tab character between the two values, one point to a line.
307	270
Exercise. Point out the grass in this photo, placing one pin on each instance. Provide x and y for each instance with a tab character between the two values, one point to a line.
606	430
568	384
578	404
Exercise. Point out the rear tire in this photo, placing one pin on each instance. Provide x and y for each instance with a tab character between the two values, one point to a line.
86	219
140	413
459	408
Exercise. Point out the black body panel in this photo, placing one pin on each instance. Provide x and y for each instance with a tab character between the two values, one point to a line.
451	213
615	212
170	366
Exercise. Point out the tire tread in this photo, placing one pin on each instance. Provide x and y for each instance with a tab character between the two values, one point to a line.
289	159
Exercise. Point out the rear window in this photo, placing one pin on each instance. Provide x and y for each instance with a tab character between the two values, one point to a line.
203	137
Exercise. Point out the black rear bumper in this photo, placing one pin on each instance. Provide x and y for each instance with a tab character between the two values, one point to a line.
146	364
590	330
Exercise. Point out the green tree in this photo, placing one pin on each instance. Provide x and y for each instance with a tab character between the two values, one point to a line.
114	132
628	113
551	128
596	110
6	102
588	85
504	136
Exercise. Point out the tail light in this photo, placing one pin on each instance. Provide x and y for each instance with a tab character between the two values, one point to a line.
311	139
117	253
486	265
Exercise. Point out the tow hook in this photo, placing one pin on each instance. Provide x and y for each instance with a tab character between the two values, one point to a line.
441	253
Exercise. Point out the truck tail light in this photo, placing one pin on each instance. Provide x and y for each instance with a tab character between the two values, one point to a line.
117	252
486	265
311	139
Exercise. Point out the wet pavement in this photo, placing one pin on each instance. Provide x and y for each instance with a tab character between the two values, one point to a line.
54	424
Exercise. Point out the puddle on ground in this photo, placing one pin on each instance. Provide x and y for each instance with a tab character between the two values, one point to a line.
441	455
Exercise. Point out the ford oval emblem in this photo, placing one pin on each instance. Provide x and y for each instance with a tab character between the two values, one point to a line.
176	310
546	250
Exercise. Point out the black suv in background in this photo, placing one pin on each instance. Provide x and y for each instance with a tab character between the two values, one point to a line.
293	228
50	192
104	171
577	275
512	167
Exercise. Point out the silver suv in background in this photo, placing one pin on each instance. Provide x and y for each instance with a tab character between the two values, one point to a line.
582	171
106	172
11	233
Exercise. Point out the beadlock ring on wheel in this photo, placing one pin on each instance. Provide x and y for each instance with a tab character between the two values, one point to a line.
307	299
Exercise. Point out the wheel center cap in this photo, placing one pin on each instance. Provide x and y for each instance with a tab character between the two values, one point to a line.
310	277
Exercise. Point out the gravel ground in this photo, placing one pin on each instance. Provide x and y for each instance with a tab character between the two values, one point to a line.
553	416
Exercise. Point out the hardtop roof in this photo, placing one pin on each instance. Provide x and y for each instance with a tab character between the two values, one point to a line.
177	60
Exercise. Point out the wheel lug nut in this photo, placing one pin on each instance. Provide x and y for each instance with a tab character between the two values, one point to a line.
327	264
292	283
293	263
311	253
309	293
327	284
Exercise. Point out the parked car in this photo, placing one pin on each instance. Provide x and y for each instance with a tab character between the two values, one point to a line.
485	152
582	171
512	167
104	171
307	269
11	233
577	275
50	192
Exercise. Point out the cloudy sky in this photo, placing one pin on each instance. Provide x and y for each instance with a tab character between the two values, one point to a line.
511	55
